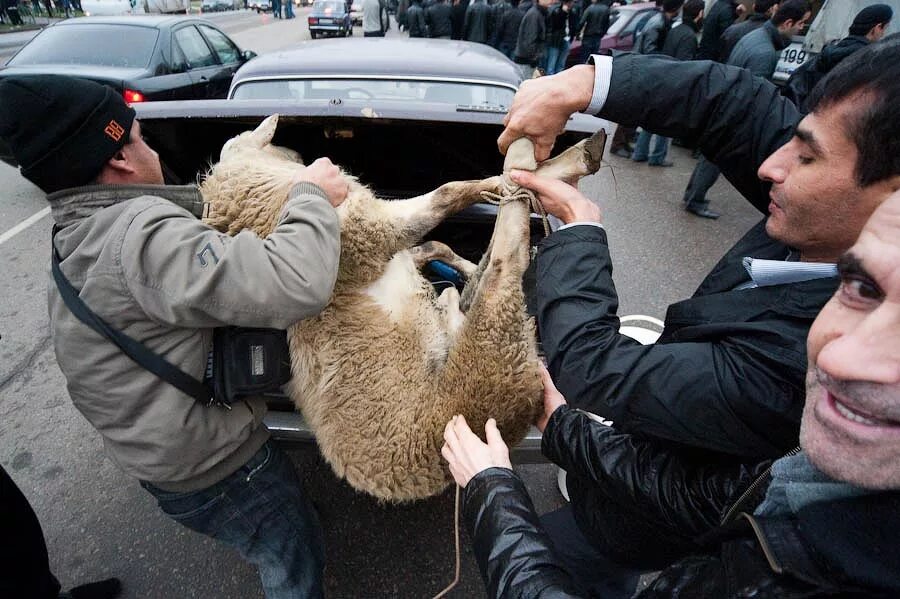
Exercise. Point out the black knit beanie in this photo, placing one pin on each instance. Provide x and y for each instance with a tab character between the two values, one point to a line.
62	130
869	17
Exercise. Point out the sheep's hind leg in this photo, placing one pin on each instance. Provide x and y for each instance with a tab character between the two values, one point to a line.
492	368
435	250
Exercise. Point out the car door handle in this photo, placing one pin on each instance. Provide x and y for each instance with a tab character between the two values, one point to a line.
204	78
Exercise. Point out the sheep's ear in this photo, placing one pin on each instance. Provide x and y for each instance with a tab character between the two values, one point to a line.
263	134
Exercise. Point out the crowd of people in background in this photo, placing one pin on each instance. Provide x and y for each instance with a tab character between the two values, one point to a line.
535	34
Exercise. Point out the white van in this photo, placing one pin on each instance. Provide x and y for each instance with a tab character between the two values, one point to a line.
832	22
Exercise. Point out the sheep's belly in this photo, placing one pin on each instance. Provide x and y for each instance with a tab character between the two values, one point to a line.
400	285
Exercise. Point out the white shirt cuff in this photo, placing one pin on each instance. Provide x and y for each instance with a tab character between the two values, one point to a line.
584	222
602	77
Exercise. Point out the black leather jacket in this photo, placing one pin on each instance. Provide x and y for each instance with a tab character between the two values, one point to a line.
595	20
438	17
845	547
415	21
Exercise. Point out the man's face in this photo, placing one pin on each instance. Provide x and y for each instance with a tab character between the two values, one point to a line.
795	27
851	421
142	158
816	204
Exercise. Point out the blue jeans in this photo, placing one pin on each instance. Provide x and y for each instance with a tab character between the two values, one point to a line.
642	147
556	58
261	511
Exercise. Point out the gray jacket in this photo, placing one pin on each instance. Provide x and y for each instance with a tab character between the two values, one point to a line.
758	51
151	269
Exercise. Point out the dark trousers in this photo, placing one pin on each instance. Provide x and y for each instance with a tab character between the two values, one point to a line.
622	137
589	45
702	179
24	567
594	572
624	533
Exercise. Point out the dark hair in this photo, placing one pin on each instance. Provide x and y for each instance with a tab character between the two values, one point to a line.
671	5
871	77
791	10
761	7
691	9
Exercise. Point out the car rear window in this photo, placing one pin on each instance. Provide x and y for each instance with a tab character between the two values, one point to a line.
329	7
107	45
382	90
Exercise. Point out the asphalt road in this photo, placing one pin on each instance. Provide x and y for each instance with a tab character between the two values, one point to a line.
100	523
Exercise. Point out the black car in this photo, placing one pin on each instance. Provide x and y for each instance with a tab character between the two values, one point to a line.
330	17
142	57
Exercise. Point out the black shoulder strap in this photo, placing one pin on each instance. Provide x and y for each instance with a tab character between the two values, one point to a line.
135	350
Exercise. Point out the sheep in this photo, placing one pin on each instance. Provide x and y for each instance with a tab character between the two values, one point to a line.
379	372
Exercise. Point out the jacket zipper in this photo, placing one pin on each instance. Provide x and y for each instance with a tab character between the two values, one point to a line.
752	488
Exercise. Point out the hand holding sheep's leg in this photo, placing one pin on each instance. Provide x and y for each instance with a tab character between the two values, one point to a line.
467	455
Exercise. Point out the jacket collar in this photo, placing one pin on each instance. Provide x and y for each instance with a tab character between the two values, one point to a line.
69	206
845	543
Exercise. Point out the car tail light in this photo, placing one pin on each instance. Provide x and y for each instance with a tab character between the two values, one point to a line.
132	96
312	21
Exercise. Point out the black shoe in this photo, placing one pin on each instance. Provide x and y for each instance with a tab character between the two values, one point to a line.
102	589
637	159
621	153
663	163
704	212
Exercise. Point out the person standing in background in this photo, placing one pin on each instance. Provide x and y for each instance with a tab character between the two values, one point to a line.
557	39
438	19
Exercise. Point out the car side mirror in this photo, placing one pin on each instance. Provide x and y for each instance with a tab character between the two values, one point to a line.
248	55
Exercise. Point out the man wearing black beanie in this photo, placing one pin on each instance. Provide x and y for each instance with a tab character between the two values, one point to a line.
149	268
868	27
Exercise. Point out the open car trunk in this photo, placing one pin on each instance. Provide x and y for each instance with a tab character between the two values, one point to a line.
398	152
397	156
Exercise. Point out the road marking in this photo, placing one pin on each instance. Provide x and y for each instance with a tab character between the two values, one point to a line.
6	236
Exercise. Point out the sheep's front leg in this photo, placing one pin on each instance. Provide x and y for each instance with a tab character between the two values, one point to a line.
417	216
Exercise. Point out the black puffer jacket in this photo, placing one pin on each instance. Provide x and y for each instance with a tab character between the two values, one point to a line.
728	372
844	547
806	76
595	20
477	22
719	17
532	40
438	17
508	31
415	21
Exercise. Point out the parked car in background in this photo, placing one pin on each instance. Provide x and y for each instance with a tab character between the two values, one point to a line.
259	5
141	57
626	22
329	17
220	5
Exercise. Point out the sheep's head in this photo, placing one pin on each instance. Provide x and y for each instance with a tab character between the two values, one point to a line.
248	186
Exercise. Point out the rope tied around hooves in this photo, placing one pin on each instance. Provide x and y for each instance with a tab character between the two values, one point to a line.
519	155
510	192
